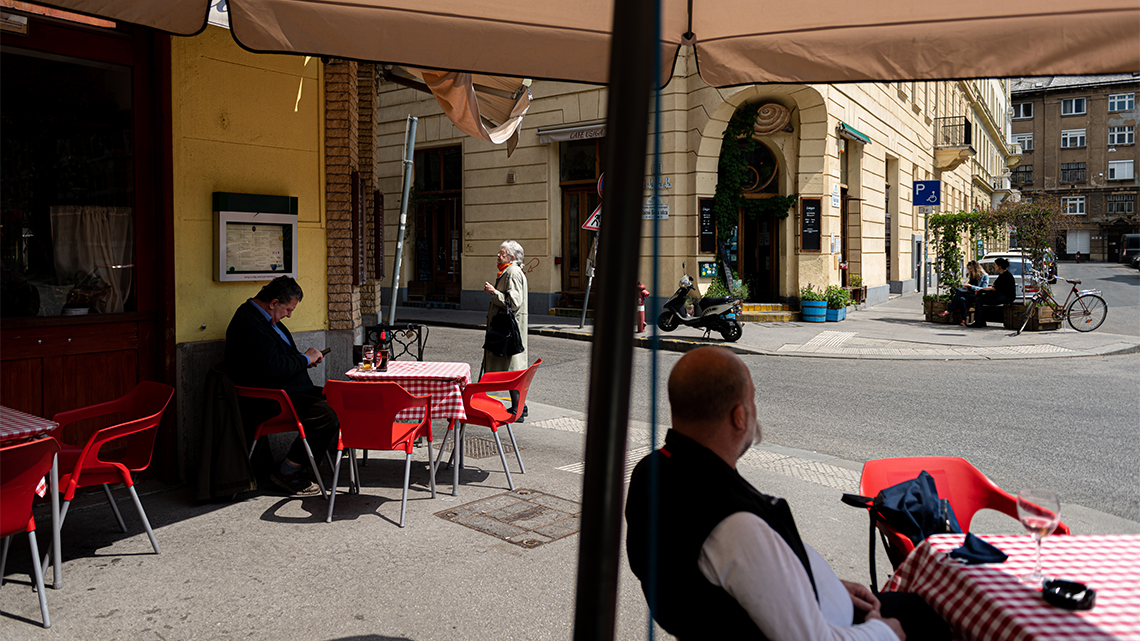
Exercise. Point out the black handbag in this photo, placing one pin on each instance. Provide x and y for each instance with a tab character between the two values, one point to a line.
503	335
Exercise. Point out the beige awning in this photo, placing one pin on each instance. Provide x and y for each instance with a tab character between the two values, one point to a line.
736	41
490	108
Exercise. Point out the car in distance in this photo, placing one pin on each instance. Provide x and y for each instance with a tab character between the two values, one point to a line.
1049	258
1018	266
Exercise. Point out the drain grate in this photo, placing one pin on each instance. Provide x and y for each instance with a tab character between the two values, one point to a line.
527	518
480	447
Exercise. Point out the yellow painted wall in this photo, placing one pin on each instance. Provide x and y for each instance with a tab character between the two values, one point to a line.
247	123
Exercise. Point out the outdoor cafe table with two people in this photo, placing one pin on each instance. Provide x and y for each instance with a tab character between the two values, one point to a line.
987	601
16	427
443	381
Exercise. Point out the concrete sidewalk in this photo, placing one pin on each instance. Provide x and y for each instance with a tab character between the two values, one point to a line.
893	330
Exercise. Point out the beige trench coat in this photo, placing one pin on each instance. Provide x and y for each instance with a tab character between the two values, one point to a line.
513	282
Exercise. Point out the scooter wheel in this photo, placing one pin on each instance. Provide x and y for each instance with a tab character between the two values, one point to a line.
732	332
667	321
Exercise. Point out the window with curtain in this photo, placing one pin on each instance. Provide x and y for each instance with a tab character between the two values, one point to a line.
66	185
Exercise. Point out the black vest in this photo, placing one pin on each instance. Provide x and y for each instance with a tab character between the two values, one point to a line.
696	490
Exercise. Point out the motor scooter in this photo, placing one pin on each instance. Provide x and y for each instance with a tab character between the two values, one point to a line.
710	313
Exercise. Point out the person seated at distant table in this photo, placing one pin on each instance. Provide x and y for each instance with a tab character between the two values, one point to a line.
965	296
1002	292
260	352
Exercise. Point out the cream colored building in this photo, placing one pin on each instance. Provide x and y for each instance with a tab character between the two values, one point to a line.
854	148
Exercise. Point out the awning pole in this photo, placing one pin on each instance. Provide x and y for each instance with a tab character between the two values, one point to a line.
409	151
632	78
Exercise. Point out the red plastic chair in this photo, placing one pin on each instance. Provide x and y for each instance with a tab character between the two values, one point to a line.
22	468
284	421
967	489
484	410
367	413
131	445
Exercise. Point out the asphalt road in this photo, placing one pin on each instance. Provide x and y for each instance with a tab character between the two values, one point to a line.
1120	288
1072	424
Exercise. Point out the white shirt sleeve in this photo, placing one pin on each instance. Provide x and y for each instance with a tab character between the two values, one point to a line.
754	564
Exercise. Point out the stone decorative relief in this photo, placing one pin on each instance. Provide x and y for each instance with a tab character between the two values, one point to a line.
772	118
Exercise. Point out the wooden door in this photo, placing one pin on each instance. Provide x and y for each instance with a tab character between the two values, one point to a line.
578	203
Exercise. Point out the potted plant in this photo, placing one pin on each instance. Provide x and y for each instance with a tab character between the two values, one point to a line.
837	301
857	289
813	303
935	304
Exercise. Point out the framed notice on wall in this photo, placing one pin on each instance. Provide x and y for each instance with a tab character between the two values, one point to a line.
810	220
708	226
255	236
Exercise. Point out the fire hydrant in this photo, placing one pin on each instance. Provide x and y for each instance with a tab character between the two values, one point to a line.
642	294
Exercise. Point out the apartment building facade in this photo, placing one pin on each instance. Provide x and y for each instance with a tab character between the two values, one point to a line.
848	153
1078	140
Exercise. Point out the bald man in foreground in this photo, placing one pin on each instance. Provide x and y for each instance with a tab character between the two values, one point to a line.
730	562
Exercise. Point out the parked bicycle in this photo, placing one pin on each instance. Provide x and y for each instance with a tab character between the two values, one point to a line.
1084	313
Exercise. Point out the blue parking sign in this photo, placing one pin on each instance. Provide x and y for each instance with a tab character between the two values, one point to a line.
927	193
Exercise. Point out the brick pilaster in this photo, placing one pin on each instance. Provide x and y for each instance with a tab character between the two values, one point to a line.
341	159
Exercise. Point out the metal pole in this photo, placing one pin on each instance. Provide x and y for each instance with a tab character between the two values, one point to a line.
409	151
589	278
925	273
631	81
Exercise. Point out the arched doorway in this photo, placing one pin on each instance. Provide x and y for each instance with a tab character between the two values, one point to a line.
756	250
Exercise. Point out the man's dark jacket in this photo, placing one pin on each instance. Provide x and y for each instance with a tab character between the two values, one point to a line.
257	357
696	490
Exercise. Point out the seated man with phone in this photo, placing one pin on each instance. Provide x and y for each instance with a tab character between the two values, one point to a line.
260	352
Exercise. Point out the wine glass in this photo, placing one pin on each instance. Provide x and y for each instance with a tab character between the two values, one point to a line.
1039	512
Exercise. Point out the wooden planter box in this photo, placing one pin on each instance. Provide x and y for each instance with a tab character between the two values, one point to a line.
836	315
1045	318
932	309
858	294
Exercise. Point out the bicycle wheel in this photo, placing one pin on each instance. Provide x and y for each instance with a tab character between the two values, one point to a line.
1087	312
1030	310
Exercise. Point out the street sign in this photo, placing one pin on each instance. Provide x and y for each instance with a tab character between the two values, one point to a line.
927	193
594	222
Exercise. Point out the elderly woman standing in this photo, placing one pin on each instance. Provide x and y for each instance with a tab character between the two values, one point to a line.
510	282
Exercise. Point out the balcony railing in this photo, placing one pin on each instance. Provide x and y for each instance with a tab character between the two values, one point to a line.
953	131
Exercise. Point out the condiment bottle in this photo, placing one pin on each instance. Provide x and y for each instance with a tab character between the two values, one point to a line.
382	351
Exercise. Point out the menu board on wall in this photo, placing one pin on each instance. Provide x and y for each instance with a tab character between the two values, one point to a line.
708	227
810	212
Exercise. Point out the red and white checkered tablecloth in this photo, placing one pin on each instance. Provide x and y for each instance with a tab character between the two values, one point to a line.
986	602
444	381
16	425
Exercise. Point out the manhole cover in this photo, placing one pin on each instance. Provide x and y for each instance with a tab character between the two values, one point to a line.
527	518
481	447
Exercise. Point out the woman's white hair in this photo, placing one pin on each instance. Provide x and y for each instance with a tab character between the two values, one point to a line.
514	250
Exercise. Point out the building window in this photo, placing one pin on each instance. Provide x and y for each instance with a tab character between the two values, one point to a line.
1072	172
1074	205
1072	106
1022	175
1121	203
1072	138
1023	110
1121	135
1120	170
1025	140
1121	101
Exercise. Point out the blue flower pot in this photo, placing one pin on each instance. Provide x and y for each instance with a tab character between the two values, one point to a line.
836	314
814	311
